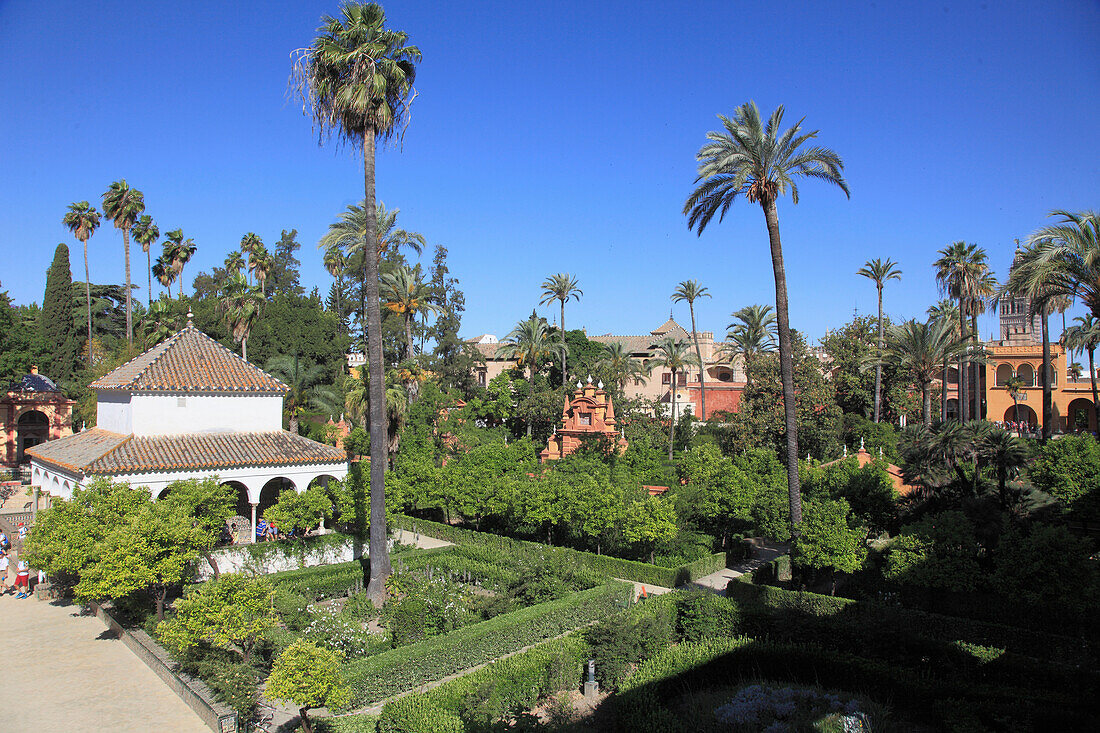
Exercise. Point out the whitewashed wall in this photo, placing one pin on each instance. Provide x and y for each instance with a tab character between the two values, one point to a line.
172	414
240	560
113	411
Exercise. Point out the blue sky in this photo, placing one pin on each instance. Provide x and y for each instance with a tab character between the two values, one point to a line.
550	137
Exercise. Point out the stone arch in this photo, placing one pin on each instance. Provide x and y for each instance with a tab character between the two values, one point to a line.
1081	416
31	428
1026	415
269	494
244	498
952	409
1004	373
1052	373
164	493
952	375
1026	372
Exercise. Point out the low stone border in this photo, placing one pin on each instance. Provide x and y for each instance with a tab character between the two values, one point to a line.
192	691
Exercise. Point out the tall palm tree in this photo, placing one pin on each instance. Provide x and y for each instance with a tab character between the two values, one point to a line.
336	264
919	349
561	287
959	272
617	360
355	80
403	292
348	235
179	252
1014	386
234	262
985	293
146	233
528	343
673	355
82	220
123	205
880	272
240	302
163	271
751	334
1007	453
1085	336
261	263
946	312
251	244
761	162
690	291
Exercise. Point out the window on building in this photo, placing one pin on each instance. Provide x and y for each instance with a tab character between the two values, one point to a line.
481	378
666	378
681	379
585	418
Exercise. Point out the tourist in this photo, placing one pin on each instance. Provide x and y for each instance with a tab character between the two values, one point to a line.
22	533
5	543
23	579
272	530
261	530
5	563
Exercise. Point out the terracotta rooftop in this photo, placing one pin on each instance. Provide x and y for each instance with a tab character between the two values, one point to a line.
100	452
189	361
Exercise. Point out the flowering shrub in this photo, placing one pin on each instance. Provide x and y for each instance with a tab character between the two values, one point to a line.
330	628
780	709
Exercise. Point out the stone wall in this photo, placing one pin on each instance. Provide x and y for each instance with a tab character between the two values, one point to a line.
264	558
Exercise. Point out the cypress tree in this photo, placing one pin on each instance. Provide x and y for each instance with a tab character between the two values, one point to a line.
62	343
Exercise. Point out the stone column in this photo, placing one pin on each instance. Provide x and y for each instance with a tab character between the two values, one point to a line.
252	539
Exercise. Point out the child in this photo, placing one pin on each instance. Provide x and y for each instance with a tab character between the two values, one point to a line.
5	563
23	580
272	530
22	533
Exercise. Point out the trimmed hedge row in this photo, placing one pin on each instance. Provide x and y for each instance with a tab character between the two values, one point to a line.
329	581
404	668
612	567
1042	646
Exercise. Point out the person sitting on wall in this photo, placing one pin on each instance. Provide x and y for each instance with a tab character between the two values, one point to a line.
261	530
272	531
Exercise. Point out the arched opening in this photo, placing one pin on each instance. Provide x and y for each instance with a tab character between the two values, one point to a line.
243	507
1022	414
32	428
952	409
1027	374
1052	373
1082	416
725	375
330	484
1004	373
952	375
164	493
269	494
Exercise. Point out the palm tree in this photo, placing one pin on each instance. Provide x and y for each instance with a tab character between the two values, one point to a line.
761	162
163	271
335	263
919	349
348	234
880	272
752	333
123	205
234	262
960	273
159	323
241	304
146	233
179	252
1014	385
674	355
251	244
260	264
1007	453
357	403
306	389
528	343
82	220
355	80
404	293
617	360
562	287
691	290
1085	336
946	312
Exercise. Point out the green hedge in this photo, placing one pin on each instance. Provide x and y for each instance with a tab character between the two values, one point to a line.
389	673
1048	647
611	567
329	581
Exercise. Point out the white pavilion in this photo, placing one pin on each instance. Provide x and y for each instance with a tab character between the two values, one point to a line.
188	408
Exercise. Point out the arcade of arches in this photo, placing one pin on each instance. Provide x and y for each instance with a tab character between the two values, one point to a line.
1071	399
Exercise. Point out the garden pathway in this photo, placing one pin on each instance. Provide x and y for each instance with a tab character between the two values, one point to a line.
762	556
63	672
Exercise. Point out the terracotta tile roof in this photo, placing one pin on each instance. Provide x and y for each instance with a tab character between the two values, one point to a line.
99	452
189	361
73	452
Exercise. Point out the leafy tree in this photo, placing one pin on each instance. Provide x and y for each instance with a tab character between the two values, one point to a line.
451	361
1047	566
310	677
297	325
123	205
58	329
300	511
866	490
827	541
284	271
561	287
691	291
919	349
759	162
356	80
880	272
82	220
649	522
16	342
939	552
1069	470
146	233
207	503
718	494
233	612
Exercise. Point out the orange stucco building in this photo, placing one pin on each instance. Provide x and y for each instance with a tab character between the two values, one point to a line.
32	411
588	413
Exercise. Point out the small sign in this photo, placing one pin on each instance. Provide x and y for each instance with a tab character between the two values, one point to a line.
228	723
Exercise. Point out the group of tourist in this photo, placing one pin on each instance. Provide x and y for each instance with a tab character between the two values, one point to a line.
22	585
266	531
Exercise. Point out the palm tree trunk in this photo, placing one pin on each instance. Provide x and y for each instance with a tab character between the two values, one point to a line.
926	404
1095	399
699	356
1048	414
88	298
379	555
408	336
564	349
294	420
244	348
961	391
878	366
672	422
786	368
129	307
149	271
340	298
